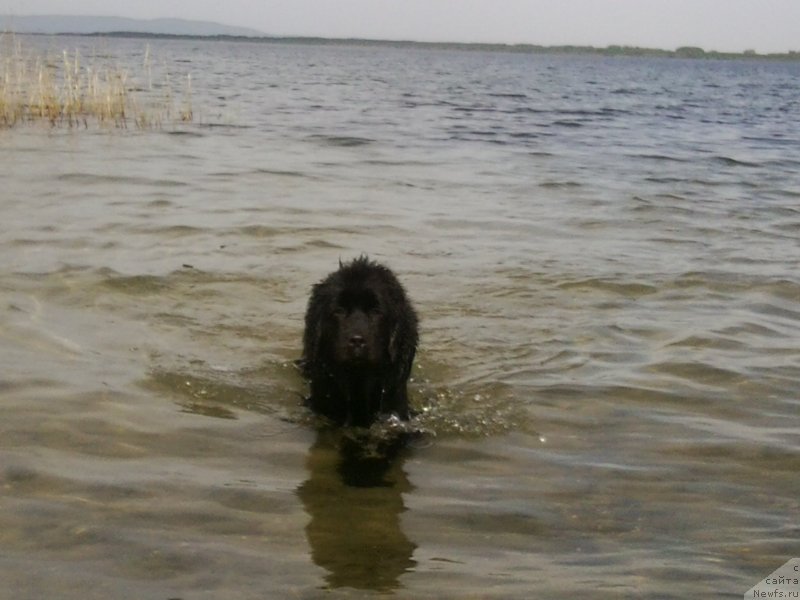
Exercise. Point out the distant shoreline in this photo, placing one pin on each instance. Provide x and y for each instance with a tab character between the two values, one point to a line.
686	52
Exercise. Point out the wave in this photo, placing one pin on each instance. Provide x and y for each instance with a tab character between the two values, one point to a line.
341	141
101	179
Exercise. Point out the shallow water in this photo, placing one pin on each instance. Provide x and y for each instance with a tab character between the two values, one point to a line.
604	255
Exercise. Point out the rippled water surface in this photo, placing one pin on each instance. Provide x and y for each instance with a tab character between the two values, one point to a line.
604	254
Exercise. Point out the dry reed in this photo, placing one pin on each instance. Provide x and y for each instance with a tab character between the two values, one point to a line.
36	87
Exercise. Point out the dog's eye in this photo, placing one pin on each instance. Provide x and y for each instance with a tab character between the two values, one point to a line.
339	312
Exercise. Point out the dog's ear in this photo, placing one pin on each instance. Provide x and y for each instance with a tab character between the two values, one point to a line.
394	334
403	326
402	341
314	340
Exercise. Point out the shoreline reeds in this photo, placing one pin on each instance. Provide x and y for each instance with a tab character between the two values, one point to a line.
41	87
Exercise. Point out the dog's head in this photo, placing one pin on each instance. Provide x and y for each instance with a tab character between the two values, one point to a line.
361	325
359	317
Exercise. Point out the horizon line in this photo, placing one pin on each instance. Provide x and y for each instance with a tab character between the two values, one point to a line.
696	51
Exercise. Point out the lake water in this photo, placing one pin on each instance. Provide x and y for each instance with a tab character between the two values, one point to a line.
605	257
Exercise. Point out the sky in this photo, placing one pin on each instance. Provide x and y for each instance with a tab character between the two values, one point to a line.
723	25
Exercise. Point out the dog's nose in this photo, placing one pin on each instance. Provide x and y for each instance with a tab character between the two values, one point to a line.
357	341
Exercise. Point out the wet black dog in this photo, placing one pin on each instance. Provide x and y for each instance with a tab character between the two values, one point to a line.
359	344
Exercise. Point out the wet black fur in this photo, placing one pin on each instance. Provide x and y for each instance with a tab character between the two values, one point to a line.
359	344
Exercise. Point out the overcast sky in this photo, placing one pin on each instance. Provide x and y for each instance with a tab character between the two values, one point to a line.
726	25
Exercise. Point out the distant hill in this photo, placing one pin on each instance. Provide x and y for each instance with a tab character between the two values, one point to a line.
62	24
84	25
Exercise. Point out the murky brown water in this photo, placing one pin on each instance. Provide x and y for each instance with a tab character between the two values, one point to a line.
604	256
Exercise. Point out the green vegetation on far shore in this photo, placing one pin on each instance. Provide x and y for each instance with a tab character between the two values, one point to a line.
684	52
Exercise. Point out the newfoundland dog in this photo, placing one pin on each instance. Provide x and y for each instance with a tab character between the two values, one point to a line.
359	343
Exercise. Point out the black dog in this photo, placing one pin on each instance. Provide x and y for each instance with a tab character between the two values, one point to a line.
359	344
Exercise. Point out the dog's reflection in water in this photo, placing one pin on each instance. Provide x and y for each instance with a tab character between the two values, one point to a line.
354	497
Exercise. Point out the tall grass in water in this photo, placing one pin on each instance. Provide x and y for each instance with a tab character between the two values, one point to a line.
64	90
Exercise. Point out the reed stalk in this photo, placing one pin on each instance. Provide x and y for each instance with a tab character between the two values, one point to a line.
69	92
